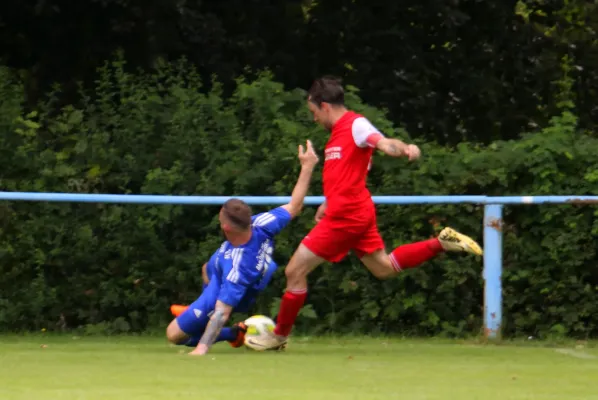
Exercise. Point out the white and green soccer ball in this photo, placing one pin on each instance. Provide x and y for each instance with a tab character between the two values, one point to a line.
258	325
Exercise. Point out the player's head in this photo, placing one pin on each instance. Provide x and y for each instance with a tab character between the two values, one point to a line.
326	98
235	217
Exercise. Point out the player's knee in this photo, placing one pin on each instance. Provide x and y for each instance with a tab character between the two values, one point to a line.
384	274
174	334
301	264
380	265
295	275
171	336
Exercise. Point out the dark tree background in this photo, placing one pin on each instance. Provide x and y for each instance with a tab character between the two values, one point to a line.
446	70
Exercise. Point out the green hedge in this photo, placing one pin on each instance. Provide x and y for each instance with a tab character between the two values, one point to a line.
117	268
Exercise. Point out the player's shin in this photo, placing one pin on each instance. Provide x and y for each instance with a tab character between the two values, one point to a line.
414	254
292	301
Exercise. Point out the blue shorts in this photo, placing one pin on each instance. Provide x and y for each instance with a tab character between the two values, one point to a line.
195	318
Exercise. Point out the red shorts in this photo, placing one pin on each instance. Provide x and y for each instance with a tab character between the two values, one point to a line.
333	238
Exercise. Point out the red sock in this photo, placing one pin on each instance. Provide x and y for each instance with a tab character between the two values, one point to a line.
292	301
413	254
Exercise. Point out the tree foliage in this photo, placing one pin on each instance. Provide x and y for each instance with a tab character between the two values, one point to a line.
447	71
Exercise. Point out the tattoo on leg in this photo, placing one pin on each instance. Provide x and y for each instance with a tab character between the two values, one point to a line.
213	329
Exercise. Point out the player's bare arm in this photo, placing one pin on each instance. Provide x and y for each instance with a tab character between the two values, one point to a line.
221	314
398	148
204	274
308	159
321	211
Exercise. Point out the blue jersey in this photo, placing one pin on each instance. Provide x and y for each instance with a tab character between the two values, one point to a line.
241	272
237	273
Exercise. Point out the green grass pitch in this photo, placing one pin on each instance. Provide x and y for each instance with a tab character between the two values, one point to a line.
135	368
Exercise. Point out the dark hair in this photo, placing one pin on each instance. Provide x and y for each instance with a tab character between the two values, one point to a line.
328	89
238	213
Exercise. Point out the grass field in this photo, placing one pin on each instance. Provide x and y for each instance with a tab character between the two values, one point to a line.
56	368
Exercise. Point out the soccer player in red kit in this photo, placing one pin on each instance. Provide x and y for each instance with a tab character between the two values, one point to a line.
347	219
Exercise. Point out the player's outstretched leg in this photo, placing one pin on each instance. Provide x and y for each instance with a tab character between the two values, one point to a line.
234	335
191	321
413	255
301	264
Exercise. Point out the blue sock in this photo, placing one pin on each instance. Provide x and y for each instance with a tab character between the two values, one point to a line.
192	342
226	334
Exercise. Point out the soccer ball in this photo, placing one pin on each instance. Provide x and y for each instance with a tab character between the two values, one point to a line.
258	325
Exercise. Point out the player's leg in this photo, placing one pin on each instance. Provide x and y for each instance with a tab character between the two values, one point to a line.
187	328
192	322
235	334
301	264
327	241
386	265
324	243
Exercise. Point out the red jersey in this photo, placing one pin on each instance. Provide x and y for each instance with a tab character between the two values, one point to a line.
348	157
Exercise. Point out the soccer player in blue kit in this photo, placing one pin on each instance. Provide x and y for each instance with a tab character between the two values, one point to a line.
240	269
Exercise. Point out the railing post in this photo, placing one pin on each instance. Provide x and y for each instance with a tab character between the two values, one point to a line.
492	270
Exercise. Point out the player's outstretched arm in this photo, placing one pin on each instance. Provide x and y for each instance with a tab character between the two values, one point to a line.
397	148
218	319
308	159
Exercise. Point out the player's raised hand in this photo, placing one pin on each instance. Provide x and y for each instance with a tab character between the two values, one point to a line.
308	157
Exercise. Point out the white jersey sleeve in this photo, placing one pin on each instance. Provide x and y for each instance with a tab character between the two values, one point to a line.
362	129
